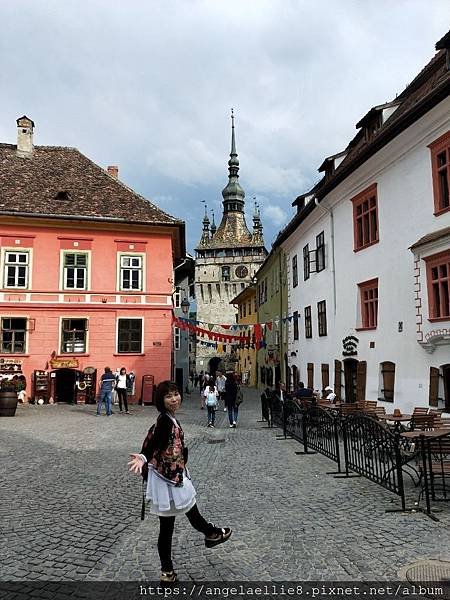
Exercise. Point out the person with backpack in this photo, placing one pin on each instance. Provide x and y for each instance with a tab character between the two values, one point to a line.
168	486
211	395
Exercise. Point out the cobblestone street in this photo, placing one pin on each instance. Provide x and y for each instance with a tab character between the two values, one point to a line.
70	511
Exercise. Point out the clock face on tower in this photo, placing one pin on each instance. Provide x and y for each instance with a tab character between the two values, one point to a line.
241	271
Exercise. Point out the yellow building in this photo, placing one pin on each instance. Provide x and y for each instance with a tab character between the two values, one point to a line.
245	302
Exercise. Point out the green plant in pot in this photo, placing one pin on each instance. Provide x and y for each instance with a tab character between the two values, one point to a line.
8	397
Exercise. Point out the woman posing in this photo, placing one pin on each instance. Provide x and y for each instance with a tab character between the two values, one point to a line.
169	486
121	389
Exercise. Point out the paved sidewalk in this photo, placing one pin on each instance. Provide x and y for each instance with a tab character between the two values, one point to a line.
70	511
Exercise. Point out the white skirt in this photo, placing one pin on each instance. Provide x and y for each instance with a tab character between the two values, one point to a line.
168	500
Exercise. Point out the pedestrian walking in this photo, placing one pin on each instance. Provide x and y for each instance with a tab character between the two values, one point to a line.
201	382
107	382
169	486
220	384
211	395
122	381
231	391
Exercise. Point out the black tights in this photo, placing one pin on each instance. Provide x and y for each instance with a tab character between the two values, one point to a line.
166	525
122	395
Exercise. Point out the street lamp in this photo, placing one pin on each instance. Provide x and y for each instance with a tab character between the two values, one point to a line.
185	304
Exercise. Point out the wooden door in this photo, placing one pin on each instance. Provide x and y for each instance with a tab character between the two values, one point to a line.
350	379
337	379
310	372
361	376
325	377
446	375
434	387
388	378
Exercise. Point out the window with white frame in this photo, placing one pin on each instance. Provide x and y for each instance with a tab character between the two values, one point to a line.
16	269
177	298
131	269
75	271
73	335
176	338
13	335
129	335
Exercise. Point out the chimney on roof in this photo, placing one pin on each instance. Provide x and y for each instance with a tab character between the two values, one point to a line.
113	170
25	128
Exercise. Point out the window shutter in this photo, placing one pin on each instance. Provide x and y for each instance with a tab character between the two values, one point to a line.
361	373
325	376
310	371
388	373
434	386
337	378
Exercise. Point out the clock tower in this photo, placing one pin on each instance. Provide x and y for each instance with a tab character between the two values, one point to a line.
226	259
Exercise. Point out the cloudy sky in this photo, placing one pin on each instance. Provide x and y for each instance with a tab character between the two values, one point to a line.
148	85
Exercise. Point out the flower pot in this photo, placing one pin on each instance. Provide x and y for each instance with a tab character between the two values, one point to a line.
8	403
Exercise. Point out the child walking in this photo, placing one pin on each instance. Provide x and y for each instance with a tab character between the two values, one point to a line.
169	486
211	394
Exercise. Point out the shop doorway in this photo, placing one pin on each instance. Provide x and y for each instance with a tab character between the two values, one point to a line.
350	379
277	375
179	380
214	365
65	380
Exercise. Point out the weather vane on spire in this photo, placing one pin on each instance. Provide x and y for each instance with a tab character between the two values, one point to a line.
206	207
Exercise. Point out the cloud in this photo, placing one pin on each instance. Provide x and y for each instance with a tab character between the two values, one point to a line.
148	85
275	214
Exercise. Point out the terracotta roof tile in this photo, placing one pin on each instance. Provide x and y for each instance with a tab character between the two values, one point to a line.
62	182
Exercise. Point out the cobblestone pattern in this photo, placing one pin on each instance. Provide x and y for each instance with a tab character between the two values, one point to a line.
69	510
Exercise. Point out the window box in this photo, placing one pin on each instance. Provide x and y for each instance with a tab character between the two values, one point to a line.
440	169
294	271
74	336
365	218
308	322
369	304
13	336
322	318
16	270
131	272
129	336
438	285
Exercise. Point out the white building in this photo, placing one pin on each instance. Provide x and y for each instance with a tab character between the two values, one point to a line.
368	255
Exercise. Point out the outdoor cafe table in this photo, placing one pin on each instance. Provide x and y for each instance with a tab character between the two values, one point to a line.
425	437
397	419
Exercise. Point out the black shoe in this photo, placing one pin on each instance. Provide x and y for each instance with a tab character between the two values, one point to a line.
168	577
219	537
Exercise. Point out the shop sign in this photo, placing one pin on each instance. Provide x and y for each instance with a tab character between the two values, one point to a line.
350	346
11	361
64	363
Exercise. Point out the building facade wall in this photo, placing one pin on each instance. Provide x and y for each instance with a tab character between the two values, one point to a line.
45	302
272	355
216	308
402	172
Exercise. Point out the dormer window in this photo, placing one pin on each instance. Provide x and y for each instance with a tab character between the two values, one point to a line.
331	163
373	126
63	195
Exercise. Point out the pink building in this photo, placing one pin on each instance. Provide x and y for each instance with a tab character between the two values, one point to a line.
86	275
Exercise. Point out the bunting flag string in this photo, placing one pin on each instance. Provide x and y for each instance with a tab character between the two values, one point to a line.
219	337
212	330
